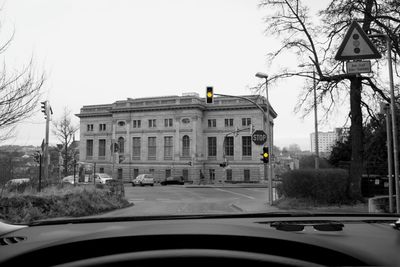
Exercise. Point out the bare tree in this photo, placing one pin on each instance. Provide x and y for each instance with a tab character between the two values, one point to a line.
315	41
64	130
19	95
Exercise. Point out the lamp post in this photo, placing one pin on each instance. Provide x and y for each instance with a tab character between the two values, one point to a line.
268	169
315	120
393	113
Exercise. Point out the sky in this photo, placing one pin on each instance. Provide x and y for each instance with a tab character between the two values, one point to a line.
100	51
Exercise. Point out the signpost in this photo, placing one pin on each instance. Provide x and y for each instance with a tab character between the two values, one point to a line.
358	66
259	137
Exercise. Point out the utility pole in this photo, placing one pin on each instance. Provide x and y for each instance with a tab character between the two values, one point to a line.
393	115
390	155
394	123
46	109
40	170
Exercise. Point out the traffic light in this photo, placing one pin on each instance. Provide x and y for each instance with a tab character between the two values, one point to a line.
265	155
44	108
209	95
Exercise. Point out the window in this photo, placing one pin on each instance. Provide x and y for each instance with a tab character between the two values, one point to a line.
152	147
136	148
212	146
151	171
212	174
246	121
121	144
102	147
136	123
246	145
167	147
168	122
120	174
229	174
185	146
135	173
152	123
90	127
228	122
167	173
212	123
246	175
121	123
229	146
89	148
102	127
101	170
185	120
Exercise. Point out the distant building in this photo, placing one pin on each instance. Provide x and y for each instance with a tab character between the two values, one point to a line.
175	135
328	139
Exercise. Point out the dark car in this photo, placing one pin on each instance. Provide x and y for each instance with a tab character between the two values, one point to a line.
173	180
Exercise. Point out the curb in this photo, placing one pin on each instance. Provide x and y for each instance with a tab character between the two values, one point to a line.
236	207
224	186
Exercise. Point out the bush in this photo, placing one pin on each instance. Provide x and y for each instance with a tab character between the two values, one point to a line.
325	186
55	202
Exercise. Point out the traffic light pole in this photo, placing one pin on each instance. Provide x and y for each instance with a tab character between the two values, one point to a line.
267	167
46	146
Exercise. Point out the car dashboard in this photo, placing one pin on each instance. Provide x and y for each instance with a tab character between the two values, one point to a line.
253	239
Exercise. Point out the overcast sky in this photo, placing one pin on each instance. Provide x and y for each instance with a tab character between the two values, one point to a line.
98	52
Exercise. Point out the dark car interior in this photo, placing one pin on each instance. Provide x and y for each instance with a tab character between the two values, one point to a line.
254	239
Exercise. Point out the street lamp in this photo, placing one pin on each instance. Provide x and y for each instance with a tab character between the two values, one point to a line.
393	113
315	119
269	169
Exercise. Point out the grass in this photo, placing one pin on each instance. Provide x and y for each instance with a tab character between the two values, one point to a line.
56	201
304	204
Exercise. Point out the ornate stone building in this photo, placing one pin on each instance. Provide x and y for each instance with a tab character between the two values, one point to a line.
175	135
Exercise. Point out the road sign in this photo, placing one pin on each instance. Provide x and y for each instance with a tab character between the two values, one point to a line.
356	45
358	66
259	137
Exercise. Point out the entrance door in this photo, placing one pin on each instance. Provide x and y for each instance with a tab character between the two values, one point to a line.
120	174
185	174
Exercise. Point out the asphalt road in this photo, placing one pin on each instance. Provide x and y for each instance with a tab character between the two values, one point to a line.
178	200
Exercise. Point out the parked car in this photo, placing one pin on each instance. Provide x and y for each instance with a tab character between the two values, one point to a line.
70	179
143	179
102	178
173	180
19	181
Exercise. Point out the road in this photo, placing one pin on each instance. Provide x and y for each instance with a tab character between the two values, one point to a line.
179	199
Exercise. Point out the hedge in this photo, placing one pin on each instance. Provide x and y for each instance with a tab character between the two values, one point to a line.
325	186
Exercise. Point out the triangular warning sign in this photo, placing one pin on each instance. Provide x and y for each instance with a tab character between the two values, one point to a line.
356	45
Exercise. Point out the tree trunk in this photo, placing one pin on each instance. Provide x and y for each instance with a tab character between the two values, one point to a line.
357	137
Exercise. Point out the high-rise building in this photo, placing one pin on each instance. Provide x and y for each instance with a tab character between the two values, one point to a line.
328	139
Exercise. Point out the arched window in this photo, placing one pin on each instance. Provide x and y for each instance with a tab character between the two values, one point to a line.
185	146
121	144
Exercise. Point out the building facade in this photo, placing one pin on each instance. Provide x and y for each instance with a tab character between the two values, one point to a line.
175	135
328	139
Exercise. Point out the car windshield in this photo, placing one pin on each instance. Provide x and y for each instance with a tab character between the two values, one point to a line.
197	107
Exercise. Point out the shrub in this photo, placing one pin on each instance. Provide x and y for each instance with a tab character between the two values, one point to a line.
325	186
54	202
